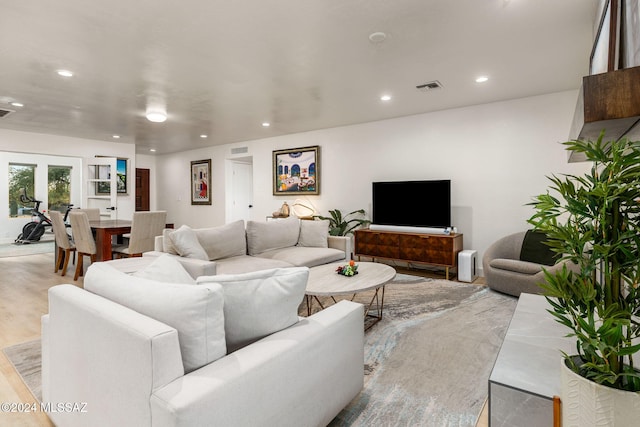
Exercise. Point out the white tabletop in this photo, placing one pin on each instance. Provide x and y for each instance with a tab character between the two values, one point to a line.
324	280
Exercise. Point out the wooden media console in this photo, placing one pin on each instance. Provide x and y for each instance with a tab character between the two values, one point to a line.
433	249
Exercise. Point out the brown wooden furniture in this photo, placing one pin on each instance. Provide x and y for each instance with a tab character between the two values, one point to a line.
434	249
104	230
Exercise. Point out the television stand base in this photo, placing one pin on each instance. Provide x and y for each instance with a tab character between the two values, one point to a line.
432	249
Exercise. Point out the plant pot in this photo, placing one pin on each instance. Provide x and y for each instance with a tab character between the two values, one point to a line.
586	403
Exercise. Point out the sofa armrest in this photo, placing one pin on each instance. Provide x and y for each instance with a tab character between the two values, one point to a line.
342	243
195	267
104	354
303	375
158	244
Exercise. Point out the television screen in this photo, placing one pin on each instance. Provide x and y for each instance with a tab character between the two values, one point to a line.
412	203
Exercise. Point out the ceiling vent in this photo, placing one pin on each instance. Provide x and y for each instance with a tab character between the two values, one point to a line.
429	86
5	113
239	150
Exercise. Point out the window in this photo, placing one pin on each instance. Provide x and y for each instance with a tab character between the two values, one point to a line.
59	187
20	176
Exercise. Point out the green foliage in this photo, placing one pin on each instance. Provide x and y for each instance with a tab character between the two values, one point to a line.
340	225
593	220
59	187
20	176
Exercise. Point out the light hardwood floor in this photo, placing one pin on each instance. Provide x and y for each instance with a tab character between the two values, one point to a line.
24	282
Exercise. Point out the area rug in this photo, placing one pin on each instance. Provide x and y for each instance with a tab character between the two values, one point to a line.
13	249
26	359
427	362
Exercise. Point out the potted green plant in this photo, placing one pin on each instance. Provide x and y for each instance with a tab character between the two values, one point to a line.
594	221
342	225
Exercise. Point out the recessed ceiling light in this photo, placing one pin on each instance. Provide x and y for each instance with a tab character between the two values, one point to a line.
153	150
203	136
17	104
65	73
115	136
266	124
385	98
377	37
482	79
156	116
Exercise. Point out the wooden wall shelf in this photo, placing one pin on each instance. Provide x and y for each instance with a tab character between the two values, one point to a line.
608	101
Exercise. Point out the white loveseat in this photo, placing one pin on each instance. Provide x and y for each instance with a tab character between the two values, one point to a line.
235	248
140	352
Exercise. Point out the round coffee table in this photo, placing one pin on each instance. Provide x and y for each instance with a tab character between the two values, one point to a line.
325	281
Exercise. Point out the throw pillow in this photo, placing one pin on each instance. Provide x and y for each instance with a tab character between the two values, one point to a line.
186	243
167	269
196	312
167	245
535	250
224	241
260	303
313	234
265	236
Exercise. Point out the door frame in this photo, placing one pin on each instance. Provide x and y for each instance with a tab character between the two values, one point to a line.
229	163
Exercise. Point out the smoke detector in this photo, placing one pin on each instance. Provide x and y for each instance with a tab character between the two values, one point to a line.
426	87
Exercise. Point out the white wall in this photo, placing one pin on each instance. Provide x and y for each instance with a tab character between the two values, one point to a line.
25	146
497	155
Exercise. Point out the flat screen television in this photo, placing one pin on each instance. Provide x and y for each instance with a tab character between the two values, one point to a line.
412	203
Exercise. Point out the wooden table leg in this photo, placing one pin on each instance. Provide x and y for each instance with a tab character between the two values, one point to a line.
103	245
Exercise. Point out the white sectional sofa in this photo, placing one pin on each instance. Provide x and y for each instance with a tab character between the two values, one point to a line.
235	248
158	348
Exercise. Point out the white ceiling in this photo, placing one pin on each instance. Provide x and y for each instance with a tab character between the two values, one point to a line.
224	67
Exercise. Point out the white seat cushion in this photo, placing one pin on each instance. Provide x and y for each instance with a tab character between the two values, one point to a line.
224	241
264	236
260	303
165	268
313	234
196	312
186	243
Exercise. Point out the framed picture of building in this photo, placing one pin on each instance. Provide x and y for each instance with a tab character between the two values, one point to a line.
296	171
201	182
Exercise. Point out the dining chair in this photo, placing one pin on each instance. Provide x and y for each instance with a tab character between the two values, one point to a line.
83	239
145	226
92	213
63	241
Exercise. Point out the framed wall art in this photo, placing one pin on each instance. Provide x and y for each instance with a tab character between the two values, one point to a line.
102	172
201	182
296	171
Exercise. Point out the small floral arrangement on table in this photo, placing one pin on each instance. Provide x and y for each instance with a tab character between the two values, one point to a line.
349	269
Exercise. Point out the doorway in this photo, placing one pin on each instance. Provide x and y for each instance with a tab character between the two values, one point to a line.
142	190
240	191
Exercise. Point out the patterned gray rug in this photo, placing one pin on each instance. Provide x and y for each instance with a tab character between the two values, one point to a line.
26	358
427	362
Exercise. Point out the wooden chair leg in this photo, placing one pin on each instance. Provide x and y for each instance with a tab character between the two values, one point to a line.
67	255
59	259
78	266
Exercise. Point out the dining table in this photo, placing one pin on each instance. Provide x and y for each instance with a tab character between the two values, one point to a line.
104	230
